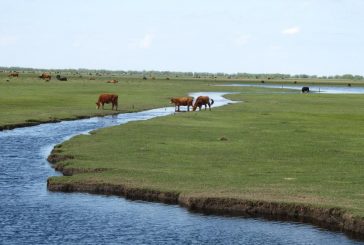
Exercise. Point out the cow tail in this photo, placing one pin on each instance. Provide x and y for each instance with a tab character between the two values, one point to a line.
212	101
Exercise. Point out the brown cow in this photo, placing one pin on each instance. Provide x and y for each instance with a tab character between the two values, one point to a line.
113	81
45	76
203	100
107	99
185	101
13	74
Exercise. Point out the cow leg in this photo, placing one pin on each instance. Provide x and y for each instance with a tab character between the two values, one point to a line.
178	108
209	106
188	108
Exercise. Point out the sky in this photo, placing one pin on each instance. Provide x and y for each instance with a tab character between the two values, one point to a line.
316	37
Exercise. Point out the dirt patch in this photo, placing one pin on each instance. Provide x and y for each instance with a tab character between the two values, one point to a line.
54	158
118	190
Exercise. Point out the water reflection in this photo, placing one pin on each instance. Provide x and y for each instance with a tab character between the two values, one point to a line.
313	88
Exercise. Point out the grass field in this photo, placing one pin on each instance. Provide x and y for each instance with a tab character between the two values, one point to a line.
280	147
29	98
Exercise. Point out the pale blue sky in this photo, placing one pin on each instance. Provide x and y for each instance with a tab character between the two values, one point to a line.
323	37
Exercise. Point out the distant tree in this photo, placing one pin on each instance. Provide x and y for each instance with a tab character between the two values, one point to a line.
347	76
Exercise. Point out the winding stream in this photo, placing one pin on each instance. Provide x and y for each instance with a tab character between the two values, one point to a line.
29	214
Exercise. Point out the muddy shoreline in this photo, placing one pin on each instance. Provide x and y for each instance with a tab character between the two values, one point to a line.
30	123
334	219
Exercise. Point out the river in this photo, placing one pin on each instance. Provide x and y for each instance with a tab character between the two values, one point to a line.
332	89
29	214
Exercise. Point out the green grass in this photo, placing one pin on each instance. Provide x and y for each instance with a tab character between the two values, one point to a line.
281	147
30	98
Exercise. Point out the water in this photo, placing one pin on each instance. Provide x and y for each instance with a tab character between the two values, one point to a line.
313	88
29	214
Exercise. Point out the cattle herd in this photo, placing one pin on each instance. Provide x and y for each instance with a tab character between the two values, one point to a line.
180	101
113	98
188	101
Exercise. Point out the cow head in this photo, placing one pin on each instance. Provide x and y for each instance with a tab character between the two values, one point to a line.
97	105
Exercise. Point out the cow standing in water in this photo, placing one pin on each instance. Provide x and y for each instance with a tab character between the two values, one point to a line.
203	100
107	99
184	101
305	89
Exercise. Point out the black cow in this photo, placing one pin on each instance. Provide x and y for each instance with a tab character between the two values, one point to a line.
60	78
305	89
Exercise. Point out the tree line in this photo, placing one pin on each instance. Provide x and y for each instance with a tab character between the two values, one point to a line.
171	74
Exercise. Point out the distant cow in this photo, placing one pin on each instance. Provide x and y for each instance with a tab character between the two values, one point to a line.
113	81
61	78
184	101
13	74
45	76
107	99
203	100
305	89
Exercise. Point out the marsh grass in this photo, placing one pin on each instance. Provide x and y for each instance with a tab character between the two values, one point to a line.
279	147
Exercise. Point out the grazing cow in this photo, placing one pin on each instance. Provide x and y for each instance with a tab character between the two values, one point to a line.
107	99
203	100
305	89
113	81
185	101
45	76
13	74
61	78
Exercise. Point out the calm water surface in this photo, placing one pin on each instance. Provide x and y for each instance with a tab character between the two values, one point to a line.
313	88
29	214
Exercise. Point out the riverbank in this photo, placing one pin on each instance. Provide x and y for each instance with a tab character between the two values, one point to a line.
330	218
29	101
30	123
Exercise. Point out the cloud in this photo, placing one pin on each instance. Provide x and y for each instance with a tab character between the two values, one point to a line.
76	44
8	40
146	41
291	31
242	39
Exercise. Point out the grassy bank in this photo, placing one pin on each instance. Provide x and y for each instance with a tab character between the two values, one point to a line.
290	148
30	99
